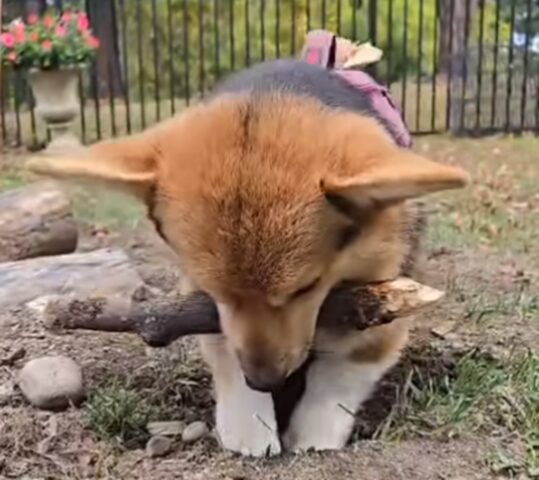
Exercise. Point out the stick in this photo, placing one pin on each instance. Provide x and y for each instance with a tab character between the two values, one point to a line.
160	320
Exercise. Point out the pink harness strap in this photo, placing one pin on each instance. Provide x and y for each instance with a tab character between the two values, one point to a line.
320	48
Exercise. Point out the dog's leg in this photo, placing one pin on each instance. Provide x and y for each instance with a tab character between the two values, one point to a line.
245	418
338	382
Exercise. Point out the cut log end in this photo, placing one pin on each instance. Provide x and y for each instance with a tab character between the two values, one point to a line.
36	220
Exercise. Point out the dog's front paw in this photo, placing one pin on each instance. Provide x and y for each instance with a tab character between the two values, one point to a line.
246	432
309	430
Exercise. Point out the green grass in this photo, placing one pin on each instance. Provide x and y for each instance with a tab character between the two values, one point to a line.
115	412
478	394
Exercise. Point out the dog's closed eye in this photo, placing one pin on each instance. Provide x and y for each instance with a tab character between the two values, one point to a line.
306	289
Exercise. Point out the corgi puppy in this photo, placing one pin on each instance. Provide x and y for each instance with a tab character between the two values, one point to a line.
279	186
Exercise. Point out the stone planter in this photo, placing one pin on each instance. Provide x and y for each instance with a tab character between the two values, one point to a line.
57	102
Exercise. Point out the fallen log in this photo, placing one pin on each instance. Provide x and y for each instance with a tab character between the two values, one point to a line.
160	320
100	272
34	221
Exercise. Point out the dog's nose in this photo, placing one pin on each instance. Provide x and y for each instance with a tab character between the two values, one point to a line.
266	381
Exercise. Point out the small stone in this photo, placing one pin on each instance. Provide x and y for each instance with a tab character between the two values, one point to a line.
158	446
194	431
7	393
169	429
51	382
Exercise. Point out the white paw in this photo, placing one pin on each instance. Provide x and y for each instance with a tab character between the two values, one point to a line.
248	429
316	431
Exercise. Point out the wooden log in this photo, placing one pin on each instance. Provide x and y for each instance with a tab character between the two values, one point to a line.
34	221
100	272
160	320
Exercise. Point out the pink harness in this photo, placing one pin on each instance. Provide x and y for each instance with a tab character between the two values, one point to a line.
320	50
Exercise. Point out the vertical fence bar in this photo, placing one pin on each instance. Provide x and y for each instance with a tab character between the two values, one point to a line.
308	14
201	52
389	54
373	21
293	28
112	106
263	30
3	103
524	93
495	65
17	106
171	55
125	67
186	66
217	46
156	69
82	107
231	32
97	104
354	20
247	36
464	54
141	66
449	92
323	14
434	68
510	68
404	58
419	65
33	124
277	28
480	65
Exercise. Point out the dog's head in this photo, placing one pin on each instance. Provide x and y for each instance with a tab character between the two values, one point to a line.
269	203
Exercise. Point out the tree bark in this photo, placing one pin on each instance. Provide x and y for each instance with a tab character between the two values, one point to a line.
161	319
96	273
35	221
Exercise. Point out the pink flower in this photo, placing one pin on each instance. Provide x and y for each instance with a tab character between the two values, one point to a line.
47	45
32	19
84	23
12	56
48	21
8	40
67	16
93	42
19	33
61	31
34	36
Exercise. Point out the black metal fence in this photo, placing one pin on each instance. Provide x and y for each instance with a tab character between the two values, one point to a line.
466	66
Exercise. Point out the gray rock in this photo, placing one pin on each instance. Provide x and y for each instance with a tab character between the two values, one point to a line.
165	429
158	446
195	431
52	382
7	393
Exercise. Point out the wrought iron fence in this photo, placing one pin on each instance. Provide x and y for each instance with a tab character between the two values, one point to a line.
467	66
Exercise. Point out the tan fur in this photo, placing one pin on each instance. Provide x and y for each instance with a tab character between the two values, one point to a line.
239	187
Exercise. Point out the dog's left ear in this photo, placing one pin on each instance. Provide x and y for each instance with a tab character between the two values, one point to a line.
128	164
397	176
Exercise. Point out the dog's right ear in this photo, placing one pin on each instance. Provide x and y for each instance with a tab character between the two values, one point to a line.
128	164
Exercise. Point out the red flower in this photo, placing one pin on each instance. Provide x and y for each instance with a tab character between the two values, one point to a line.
32	19
47	45
8	40
61	31
34	36
49	21
84	23
12	56
93	42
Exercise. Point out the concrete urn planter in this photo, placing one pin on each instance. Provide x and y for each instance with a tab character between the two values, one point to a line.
57	103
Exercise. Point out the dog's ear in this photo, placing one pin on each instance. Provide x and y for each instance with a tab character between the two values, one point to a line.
397	175
128	164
